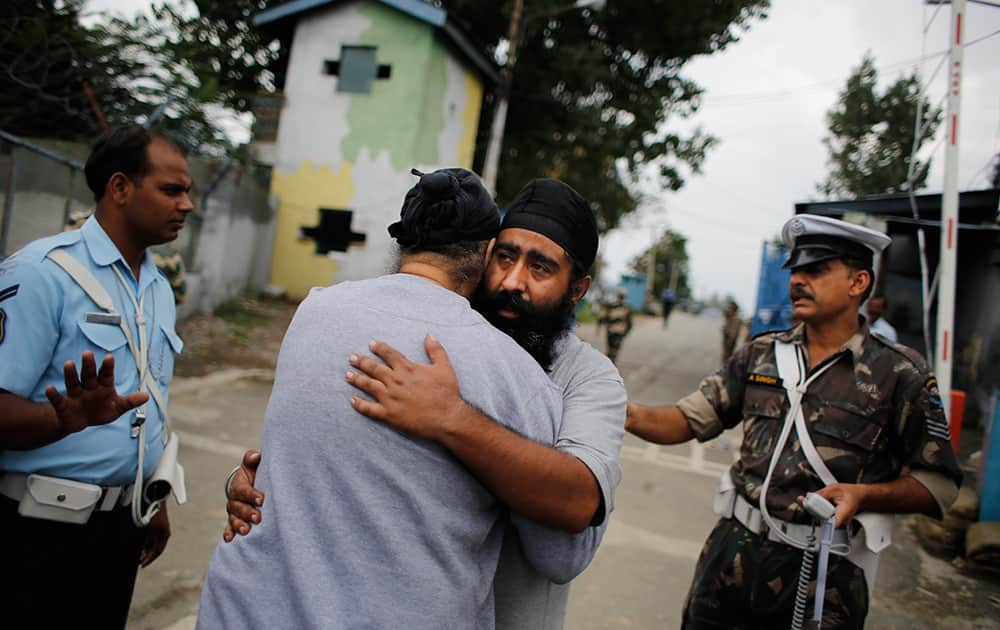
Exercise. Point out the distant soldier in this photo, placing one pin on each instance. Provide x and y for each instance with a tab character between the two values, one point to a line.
731	326
617	318
166	258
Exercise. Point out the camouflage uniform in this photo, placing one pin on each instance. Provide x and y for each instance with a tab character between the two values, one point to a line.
875	411
167	259
617	317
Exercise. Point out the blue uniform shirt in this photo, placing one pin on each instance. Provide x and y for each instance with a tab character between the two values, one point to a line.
44	325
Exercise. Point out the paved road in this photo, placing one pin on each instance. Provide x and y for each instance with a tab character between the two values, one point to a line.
642	572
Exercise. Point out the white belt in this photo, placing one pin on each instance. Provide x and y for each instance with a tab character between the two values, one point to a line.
14	485
750	517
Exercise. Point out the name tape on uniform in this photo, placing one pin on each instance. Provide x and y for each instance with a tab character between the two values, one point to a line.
763	379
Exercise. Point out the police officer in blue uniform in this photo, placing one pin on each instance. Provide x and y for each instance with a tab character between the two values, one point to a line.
72	540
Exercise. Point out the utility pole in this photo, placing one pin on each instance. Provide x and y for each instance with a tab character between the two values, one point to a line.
949	210
514	34
500	114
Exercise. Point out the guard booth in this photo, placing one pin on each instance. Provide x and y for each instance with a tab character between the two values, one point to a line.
367	90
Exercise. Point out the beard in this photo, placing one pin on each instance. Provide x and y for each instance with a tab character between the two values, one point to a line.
536	329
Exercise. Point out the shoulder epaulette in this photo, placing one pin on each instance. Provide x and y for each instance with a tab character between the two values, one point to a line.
908	353
770	332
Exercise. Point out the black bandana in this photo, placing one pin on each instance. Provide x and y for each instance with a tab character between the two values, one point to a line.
446	206
556	211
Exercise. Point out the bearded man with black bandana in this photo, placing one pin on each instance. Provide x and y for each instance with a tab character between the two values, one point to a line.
562	496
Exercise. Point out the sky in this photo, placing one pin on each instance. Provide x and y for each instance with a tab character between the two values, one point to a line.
766	99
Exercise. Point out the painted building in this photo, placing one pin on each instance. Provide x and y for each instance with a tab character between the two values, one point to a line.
371	89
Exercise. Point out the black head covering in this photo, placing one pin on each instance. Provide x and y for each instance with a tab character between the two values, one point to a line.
556	211
446	206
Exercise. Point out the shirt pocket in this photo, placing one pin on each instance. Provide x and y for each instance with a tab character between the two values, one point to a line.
107	337
762	415
170	345
857	427
763	401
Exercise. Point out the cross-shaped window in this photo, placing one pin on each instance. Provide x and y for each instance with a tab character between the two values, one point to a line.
357	69
334	233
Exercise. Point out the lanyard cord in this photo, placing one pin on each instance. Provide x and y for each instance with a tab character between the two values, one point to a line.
140	346
140	349
795	396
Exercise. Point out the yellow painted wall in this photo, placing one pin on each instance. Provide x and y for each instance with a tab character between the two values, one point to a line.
470	119
295	265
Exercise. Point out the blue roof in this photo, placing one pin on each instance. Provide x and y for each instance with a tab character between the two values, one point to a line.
417	9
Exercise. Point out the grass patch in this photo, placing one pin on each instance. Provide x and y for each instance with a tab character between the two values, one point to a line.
241	316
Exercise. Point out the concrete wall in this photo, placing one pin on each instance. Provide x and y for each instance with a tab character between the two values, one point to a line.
226	245
355	151
43	188
232	247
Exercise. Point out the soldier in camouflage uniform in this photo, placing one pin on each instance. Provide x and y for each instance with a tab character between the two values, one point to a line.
617	317
874	416
167	259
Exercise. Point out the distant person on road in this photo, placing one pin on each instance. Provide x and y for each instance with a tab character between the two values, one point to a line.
532	283
731	327
877	321
539	268
667	299
617	319
75	456
870	436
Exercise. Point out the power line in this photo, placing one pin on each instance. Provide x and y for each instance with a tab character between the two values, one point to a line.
992	159
753	98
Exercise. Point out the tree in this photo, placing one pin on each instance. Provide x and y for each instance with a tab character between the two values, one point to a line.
49	61
671	258
594	91
871	135
233	59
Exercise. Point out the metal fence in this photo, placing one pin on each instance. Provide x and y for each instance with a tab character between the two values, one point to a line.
43	188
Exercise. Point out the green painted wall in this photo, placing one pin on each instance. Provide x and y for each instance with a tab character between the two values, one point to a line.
403	115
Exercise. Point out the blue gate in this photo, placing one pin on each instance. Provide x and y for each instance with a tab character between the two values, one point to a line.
773	311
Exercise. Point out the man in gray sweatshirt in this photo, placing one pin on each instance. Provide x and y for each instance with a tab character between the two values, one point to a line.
368	526
539	270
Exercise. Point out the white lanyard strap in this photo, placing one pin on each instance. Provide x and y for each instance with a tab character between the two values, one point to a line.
876	528
140	346
783	353
792	371
100	296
